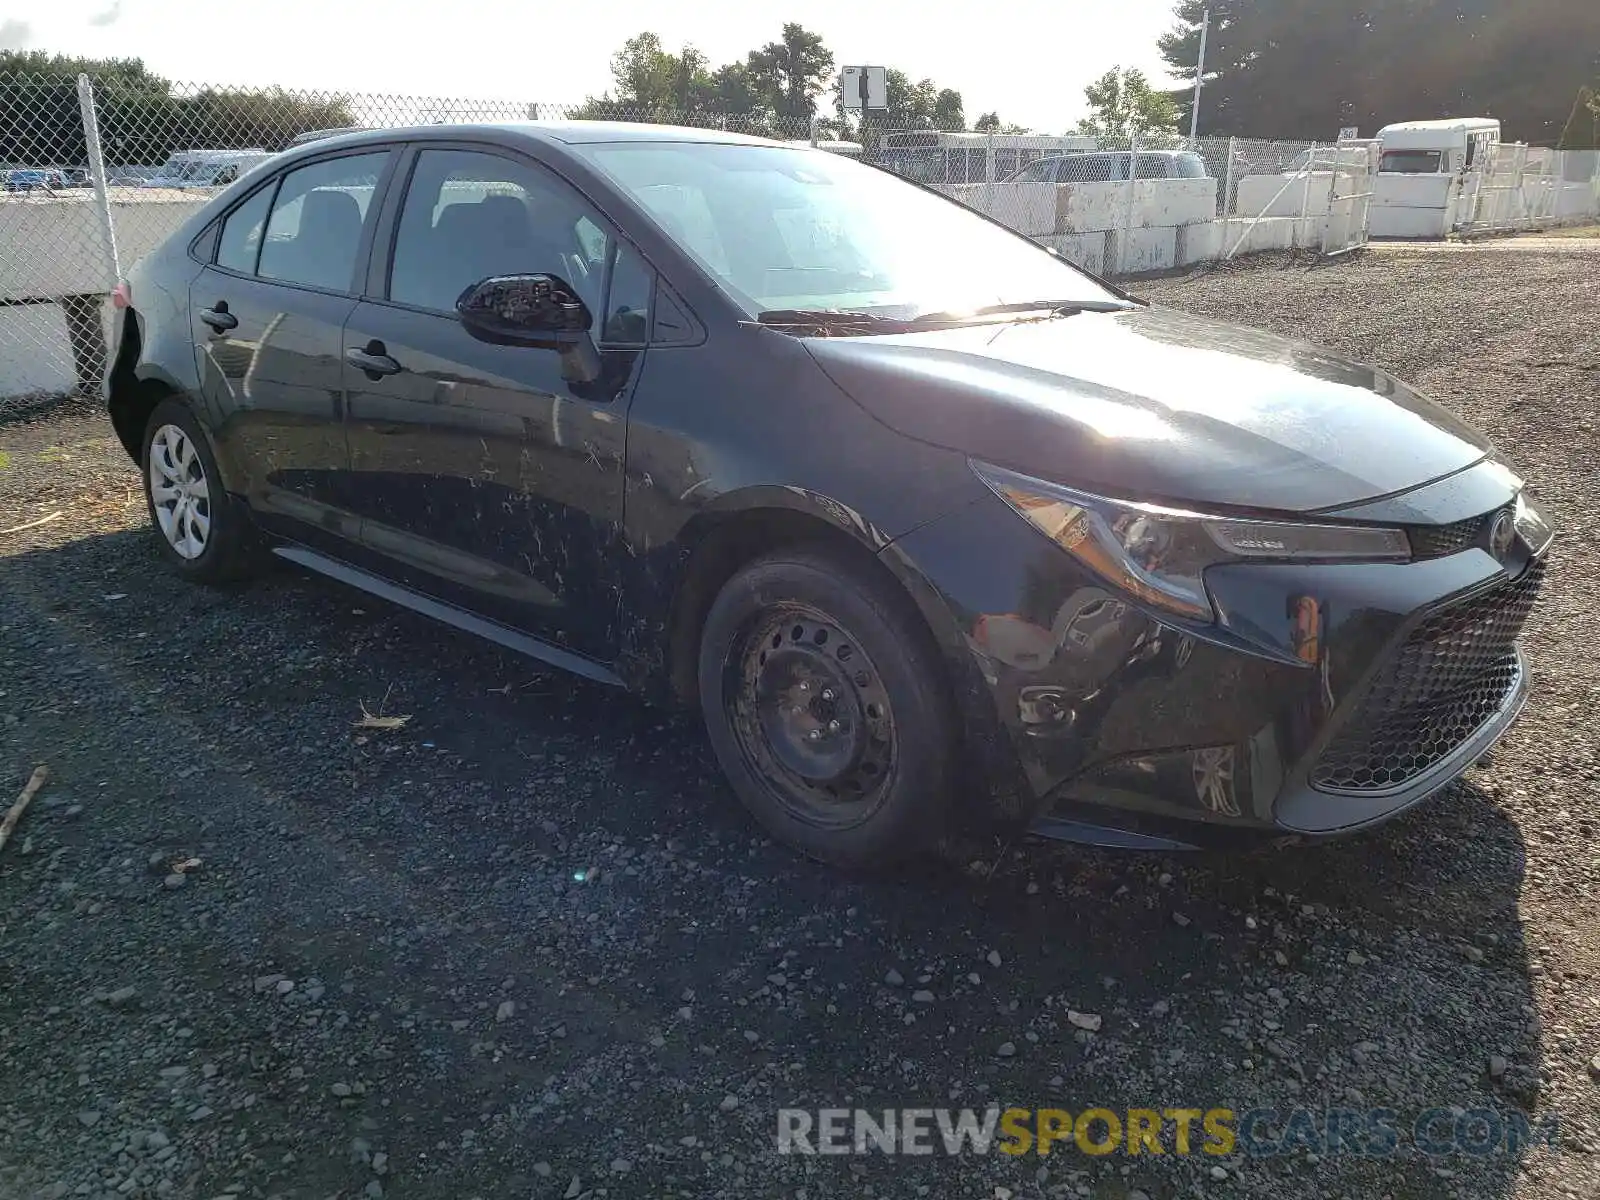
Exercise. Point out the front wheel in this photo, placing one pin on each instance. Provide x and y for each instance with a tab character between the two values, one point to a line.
826	707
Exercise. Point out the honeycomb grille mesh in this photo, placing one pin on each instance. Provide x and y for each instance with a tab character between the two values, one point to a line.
1436	541
1449	677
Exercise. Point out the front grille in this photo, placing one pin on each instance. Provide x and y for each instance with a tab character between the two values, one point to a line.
1450	675
1435	541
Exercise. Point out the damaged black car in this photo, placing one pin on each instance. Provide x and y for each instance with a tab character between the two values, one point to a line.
937	531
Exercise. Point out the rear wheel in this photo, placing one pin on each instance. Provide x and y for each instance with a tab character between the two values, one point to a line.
825	705
203	533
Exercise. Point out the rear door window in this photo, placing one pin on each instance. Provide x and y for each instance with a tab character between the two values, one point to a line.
314	232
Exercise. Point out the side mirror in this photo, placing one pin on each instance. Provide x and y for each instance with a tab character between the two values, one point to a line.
541	312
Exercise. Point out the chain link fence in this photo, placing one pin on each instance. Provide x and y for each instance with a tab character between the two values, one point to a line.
1517	187
93	176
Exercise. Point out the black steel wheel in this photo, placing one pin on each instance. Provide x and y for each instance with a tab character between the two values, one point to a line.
811	713
825	704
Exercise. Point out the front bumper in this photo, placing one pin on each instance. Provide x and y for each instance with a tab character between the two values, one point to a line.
1328	697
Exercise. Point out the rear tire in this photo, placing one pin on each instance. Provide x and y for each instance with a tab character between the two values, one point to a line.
204	534
826	707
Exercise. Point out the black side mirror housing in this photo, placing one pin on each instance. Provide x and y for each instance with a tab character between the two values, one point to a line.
540	312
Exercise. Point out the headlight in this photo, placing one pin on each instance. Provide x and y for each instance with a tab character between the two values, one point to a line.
1159	555
1532	526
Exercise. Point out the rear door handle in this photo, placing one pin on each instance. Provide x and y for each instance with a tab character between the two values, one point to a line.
374	359
219	318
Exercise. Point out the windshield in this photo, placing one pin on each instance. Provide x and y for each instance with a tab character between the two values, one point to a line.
1410	162
793	229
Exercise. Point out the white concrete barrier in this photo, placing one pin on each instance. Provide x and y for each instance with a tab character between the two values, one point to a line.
55	246
1284	195
35	351
1270	233
1576	200
1091	224
1041	209
1087	250
54	257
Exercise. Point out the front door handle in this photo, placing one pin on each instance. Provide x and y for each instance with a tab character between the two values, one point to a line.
373	359
219	318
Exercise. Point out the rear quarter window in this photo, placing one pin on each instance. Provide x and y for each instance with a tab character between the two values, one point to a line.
241	233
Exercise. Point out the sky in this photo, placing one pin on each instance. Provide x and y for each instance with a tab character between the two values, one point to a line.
1027	59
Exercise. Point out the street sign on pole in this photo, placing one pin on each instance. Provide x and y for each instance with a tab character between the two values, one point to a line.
864	88
1199	75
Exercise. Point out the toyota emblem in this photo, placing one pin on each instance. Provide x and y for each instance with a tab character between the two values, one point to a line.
1501	535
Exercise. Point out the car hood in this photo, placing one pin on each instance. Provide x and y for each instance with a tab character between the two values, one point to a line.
1156	404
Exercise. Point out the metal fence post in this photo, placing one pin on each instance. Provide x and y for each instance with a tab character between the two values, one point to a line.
814	123
1227	184
1125	240
1305	192
97	174
1334	170
989	174
1519	196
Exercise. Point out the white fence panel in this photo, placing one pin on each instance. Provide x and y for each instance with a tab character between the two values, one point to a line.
1517	187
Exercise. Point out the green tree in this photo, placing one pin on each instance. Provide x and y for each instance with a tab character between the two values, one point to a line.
1582	130
791	73
1122	104
734	91
947	111
142	119
921	105
1304	68
990	122
649	80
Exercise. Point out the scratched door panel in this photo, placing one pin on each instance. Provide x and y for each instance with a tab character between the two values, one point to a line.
271	386
487	479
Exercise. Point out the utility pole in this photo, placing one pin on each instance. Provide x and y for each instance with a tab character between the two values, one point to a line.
1199	75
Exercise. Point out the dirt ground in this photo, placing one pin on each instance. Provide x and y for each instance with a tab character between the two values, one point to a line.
527	945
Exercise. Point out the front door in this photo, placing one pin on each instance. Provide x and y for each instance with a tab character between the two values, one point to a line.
268	313
483	475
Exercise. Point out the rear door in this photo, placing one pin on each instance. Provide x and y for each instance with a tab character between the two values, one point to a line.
267	313
485	477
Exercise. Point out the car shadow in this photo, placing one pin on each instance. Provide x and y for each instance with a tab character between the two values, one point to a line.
1386	971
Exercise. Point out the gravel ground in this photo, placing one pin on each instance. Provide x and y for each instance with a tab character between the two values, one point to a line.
528	946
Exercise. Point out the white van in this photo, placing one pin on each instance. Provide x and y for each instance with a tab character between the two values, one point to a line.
1445	147
1420	165
204	168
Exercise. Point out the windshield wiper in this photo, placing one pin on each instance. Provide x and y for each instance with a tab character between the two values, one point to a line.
829	320
1047	309
840	322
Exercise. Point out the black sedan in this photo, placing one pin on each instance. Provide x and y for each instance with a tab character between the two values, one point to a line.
938	531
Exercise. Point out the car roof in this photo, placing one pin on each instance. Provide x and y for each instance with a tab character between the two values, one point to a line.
545	132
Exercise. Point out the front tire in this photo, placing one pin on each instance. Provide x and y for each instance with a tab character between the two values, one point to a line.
202	532
826	707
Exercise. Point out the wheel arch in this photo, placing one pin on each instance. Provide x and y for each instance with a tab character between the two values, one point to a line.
739	528
135	387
